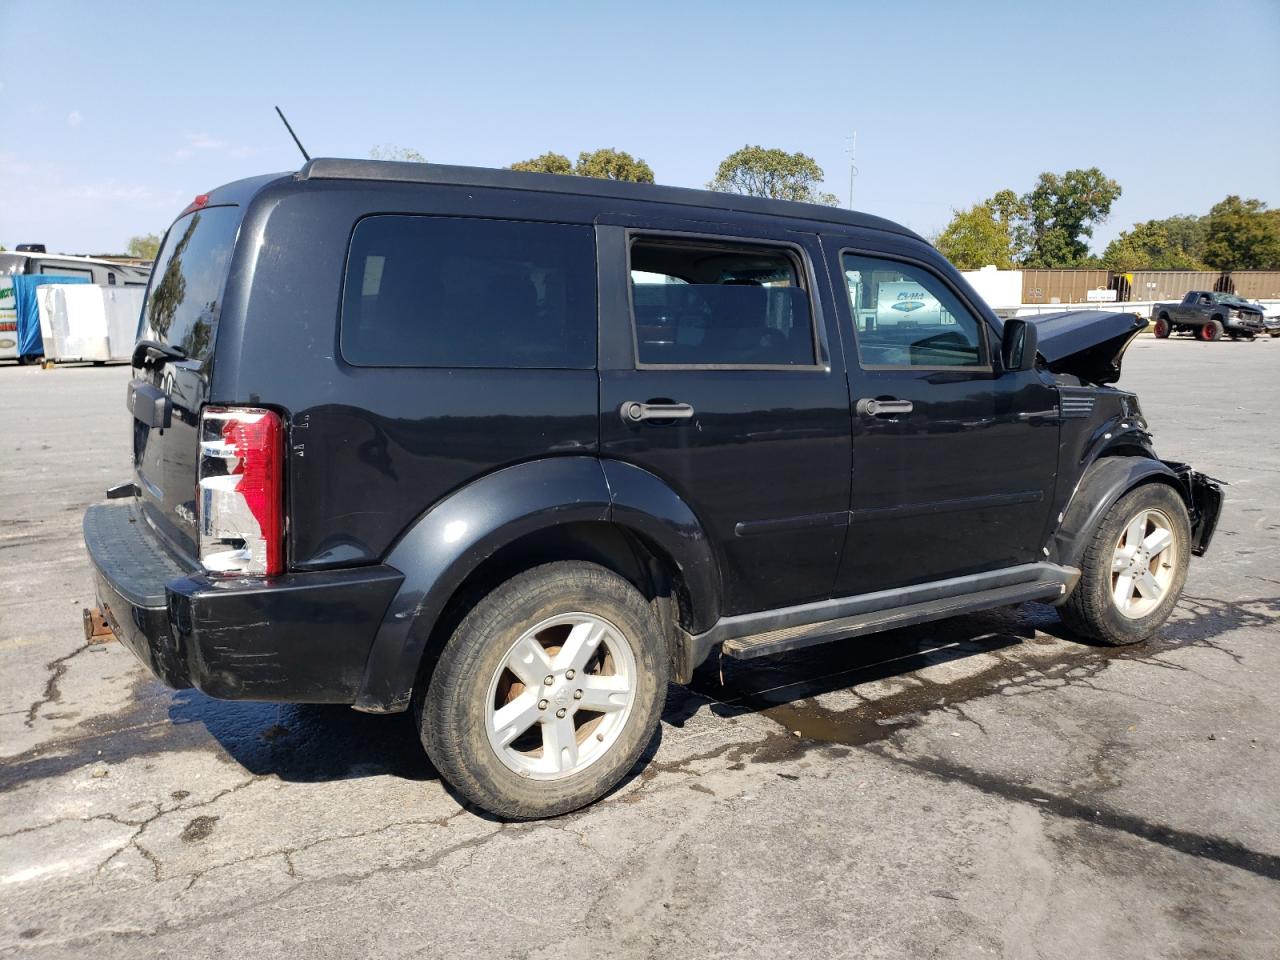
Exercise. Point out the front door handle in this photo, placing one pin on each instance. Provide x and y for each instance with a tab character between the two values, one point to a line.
633	411
870	407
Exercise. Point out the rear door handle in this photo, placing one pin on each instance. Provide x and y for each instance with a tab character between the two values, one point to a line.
633	411
870	407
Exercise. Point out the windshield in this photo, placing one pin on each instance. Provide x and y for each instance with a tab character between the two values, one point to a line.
1231	298
186	285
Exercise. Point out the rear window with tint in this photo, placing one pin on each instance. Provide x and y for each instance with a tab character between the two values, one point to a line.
185	295
458	292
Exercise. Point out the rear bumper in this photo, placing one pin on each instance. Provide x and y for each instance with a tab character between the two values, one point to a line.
302	637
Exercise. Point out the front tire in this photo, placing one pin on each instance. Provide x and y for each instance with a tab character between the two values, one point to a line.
547	693
1162	328
1210	331
1133	568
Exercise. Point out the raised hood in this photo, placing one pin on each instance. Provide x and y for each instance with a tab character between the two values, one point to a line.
1086	343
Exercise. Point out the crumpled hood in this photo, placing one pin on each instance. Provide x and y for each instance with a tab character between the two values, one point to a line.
1086	343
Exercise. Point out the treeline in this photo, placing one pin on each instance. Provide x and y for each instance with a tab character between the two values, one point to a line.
1051	225
753	170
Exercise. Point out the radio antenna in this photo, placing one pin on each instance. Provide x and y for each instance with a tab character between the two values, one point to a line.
306	156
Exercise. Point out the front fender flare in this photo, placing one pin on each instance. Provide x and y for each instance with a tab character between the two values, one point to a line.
1105	481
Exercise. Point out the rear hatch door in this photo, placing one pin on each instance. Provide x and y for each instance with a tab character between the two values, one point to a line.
171	377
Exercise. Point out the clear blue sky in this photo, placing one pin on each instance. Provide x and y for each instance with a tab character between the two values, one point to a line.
115	115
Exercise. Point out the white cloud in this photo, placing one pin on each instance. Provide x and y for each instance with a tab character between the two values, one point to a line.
74	118
205	143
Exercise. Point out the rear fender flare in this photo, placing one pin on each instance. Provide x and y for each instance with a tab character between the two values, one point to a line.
452	538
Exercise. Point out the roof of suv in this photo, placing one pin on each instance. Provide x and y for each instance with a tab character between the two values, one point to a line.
325	168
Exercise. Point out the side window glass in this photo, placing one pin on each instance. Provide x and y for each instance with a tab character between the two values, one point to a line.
710	304
904	316
63	270
427	291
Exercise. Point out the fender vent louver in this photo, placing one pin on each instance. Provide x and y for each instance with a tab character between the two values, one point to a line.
1076	406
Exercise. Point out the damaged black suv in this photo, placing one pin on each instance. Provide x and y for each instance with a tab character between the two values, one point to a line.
516	450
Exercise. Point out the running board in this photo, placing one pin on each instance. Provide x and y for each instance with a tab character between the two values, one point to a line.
794	638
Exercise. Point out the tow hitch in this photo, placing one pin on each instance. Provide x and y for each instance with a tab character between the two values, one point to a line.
96	628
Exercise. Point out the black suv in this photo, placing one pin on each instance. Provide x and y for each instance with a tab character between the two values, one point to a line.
516	450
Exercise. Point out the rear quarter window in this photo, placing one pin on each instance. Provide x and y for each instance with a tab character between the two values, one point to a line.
425	291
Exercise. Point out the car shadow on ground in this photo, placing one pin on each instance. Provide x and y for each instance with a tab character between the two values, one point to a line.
309	743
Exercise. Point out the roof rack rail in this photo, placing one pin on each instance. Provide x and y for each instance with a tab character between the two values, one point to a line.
396	171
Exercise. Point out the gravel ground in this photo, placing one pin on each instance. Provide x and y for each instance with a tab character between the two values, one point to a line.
974	788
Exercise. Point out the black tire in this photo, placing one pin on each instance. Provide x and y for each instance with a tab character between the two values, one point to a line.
1090	611
1210	331
1162	328
451	714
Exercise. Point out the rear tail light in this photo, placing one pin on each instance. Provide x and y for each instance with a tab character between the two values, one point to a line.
240	493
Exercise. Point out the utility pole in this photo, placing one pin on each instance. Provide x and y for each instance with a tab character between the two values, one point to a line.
852	151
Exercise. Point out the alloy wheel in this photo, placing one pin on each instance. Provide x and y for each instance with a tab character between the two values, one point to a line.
561	696
1143	564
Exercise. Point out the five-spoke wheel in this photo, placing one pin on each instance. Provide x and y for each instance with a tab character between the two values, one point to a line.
561	696
547	692
1143	564
1133	567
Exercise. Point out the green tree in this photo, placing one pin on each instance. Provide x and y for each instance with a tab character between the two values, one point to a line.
549	162
1242	235
144	247
759	172
389	151
603	164
1170	244
983	234
610	164
1061	212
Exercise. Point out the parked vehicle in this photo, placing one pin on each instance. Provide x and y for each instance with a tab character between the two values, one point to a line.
1209	315
31	259
515	450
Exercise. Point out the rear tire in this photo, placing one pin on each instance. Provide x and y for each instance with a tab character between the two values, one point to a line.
1162	328
1133	568
519	747
1210	331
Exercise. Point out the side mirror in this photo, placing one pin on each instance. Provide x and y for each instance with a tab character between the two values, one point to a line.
1018	345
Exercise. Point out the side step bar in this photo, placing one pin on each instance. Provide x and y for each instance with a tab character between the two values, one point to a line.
791	628
793	638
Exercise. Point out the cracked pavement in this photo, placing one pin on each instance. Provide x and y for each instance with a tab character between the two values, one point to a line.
979	787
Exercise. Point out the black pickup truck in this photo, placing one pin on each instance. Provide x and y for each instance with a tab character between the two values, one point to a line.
1209	315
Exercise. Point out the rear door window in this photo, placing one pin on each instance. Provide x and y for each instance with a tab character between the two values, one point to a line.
719	305
185	295
426	291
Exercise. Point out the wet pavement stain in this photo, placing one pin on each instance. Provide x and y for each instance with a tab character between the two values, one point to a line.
198	829
788	688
